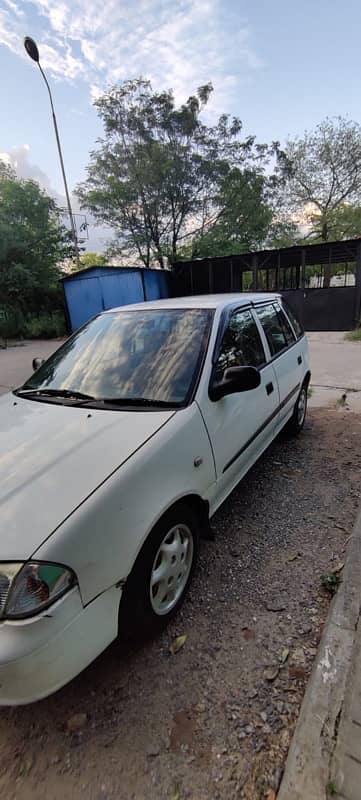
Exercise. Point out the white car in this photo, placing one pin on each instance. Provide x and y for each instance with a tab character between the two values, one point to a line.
114	456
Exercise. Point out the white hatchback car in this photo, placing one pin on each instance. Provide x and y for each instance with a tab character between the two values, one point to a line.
114	456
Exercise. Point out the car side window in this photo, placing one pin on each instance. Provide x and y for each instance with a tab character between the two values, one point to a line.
297	327
241	345
272	326
285	325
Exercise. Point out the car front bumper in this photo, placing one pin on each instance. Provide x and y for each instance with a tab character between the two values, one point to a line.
41	654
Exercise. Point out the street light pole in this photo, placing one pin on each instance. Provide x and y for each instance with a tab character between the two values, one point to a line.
32	51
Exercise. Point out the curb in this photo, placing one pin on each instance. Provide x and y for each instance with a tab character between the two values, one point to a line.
307	770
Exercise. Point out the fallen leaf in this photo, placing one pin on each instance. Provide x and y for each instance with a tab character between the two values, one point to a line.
176	795
76	722
178	643
271	794
271	673
293	556
152	750
296	672
284	655
248	634
338	567
27	764
275	605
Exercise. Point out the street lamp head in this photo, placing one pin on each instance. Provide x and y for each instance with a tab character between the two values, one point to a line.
31	48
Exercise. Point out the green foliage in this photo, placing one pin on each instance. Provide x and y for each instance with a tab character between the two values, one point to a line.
345	222
91	260
45	326
319	179
282	233
32	244
354	336
32	325
161	178
330	581
19	325
244	219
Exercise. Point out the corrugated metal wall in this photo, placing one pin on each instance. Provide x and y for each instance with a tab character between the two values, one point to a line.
156	284
99	288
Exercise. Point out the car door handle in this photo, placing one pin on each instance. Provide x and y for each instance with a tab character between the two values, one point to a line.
269	388
299	360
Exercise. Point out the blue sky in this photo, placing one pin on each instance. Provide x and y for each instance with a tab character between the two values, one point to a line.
281	66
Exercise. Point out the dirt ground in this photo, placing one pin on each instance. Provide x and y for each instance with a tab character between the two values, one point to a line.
214	720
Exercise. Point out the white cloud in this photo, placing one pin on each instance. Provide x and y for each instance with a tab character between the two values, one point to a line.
14	8
95	92
9	26
178	45
61	63
19	159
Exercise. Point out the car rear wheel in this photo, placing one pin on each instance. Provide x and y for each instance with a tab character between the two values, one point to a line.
161	575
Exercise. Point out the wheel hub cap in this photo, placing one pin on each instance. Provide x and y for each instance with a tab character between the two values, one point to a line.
171	568
301	411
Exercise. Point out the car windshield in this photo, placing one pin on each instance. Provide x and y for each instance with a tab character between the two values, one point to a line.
150	355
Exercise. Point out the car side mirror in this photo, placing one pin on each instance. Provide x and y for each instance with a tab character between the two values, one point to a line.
37	363
235	379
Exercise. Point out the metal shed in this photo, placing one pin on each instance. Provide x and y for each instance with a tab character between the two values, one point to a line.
96	289
288	270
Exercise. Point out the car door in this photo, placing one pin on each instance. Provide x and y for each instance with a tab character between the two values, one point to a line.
285	353
240	426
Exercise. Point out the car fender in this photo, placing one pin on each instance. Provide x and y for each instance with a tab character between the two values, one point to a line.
100	541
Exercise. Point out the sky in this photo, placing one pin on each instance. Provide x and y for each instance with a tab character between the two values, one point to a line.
281	66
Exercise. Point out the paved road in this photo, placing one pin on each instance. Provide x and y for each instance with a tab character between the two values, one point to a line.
335	361
336	370
15	362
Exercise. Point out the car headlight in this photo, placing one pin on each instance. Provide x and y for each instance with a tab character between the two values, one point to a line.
27	589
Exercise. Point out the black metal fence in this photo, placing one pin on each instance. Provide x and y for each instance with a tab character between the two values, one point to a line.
322	282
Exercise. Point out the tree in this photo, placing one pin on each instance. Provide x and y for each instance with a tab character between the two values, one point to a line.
244	219
345	222
91	260
282	233
321	174
159	175
32	243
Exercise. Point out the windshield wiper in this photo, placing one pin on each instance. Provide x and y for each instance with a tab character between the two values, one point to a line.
70	394
137	401
54	393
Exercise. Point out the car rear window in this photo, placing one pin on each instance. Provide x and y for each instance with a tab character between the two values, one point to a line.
297	327
273	328
285	325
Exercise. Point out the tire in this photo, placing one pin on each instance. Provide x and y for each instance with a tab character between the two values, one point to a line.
170	554
295	424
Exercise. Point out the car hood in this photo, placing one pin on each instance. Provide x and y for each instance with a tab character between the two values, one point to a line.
52	457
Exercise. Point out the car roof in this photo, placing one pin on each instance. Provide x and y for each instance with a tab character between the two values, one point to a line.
202	301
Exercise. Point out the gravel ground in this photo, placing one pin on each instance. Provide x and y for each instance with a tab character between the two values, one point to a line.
214	720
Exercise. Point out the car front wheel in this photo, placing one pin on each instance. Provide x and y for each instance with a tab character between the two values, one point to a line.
297	421
161	575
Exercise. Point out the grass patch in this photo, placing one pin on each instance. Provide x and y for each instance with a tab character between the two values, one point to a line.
341	402
331	789
309	391
354	336
330	581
